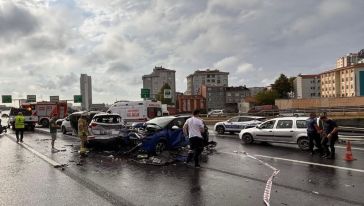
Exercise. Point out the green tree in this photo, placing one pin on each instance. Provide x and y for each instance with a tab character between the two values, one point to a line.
267	97
160	95
282	86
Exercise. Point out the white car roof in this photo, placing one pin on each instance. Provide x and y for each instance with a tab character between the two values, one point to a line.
106	114
290	118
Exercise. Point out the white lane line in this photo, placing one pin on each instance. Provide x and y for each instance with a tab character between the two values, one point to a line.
310	163
45	158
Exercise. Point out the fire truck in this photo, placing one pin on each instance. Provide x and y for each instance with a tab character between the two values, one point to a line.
45	110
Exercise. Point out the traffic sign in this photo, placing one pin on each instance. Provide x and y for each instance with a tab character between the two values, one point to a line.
167	94
54	98
145	93
77	98
31	98
7	99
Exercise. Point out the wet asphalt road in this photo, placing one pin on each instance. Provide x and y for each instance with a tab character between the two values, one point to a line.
229	177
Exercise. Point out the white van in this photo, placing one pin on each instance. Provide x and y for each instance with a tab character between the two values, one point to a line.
215	113
136	111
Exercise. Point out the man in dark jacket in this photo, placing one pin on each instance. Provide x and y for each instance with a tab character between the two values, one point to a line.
330	137
313	133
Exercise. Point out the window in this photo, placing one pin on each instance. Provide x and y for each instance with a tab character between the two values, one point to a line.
268	125
244	119
218	81
342	79
228	94
234	119
301	124
284	124
351	86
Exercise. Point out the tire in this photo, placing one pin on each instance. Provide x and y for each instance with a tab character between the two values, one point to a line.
220	129
303	143
160	147
247	138
44	122
64	131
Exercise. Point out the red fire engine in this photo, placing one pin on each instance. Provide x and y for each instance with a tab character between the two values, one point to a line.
45	110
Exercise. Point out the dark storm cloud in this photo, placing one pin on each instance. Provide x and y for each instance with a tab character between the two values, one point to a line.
16	21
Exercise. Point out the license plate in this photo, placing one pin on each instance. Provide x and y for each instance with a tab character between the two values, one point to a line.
114	132
96	131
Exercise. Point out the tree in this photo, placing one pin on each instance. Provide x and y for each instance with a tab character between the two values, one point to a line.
267	97
160	95
282	86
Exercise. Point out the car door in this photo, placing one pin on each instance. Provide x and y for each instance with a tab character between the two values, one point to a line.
265	131
284	131
243	122
176	137
232	124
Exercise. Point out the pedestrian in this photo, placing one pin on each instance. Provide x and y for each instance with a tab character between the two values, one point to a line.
193	128
330	137
83	132
53	129
19	126
313	133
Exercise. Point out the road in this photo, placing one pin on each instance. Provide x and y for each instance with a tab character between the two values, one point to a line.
231	176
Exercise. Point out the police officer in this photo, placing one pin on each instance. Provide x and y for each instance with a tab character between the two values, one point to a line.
330	137
83	132
313	133
19	126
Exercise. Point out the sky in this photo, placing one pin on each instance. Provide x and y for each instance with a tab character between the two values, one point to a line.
46	44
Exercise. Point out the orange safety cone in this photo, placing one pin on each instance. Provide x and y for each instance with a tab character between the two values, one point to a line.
348	153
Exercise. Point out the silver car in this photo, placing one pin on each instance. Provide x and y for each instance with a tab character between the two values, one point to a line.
282	130
236	124
105	128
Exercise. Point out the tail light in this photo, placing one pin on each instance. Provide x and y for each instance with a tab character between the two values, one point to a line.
93	124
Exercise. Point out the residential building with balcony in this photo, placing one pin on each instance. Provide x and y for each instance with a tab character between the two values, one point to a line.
207	77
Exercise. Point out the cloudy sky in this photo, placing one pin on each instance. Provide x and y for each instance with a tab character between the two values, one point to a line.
46	44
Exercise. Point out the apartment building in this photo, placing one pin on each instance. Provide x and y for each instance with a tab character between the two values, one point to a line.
155	81
343	82
214	95
307	86
208	78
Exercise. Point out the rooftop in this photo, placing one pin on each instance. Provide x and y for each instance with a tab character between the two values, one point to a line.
208	71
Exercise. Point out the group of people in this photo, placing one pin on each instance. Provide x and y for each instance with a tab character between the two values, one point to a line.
322	133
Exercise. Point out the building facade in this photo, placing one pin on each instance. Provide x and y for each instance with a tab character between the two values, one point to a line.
155	81
189	103
208	78
214	95
86	91
307	86
343	82
236	94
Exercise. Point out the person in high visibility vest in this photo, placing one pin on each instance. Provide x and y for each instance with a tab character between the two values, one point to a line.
83	132
19	126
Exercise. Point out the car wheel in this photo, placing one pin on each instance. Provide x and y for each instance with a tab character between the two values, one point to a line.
220	130
64	131
160	147
44	123
247	138
303	143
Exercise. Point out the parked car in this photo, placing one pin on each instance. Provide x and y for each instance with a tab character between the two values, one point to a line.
106	128
165	133
215	113
236	124
66	125
282	130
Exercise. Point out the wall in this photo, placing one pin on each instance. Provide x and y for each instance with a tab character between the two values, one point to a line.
319	102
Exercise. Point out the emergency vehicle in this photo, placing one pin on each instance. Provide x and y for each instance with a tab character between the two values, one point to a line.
137	111
45	110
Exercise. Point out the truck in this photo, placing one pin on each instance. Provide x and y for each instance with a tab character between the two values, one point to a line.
44	110
136	111
30	119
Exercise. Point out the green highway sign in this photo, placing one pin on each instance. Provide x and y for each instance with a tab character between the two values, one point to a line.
31	98
54	98
77	98
7	99
145	93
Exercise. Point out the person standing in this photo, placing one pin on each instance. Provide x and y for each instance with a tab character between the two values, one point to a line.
313	133
19	126
82	133
193	128
53	129
331	131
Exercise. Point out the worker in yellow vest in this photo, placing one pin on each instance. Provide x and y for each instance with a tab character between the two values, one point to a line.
82	133
19	126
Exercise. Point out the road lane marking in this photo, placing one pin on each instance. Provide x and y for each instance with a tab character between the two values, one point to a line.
43	157
310	163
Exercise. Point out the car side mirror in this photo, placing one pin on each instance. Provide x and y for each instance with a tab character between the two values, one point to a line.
175	127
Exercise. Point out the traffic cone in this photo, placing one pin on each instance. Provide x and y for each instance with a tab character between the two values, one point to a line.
348	153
